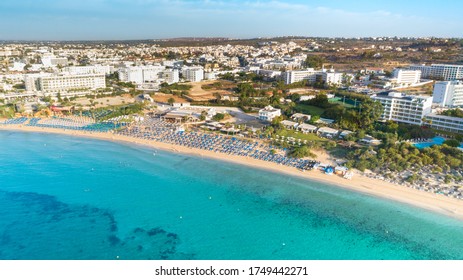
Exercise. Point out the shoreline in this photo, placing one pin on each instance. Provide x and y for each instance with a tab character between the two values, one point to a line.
434	202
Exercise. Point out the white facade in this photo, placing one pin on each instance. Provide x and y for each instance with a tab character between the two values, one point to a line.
55	83
447	72
446	123
31	81
269	113
210	75
193	74
448	94
49	60
170	76
291	77
332	78
18	66
93	69
270	74
404	108
404	77
141	74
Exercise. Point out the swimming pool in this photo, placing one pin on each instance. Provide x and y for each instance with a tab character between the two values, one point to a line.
434	141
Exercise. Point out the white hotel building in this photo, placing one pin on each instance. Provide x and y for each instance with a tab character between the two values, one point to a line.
448	94
140	74
404	108
56	83
93	69
403	77
309	75
446	123
447	72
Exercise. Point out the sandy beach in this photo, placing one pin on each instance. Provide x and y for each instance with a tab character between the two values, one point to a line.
434	202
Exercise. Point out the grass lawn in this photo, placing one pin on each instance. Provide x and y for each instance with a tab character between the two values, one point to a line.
300	135
348	102
309	109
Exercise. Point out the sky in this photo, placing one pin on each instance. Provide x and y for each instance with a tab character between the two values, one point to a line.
159	19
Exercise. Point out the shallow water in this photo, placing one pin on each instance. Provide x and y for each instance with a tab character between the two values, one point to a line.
77	198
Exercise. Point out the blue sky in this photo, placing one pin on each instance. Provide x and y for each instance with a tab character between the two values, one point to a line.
150	19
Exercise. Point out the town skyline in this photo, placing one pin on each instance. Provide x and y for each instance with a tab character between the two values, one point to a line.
160	19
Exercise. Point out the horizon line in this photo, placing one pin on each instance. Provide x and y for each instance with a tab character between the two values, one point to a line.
228	38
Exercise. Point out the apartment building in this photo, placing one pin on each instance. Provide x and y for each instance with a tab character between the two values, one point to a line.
170	76
448	93
404	108
446	72
193	74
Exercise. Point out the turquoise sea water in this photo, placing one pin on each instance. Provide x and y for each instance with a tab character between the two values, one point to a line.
76	198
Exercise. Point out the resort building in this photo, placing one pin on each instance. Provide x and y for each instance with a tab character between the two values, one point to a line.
324	121
289	124
140	74
307	128
93	69
269	113
448	94
56	83
369	140
403	77
446	123
327	132
193	74
447	72
345	133
301	117
404	108
291	77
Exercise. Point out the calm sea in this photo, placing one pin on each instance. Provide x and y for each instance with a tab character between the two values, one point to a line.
77	198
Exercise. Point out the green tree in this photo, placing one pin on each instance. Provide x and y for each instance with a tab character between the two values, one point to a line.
276	122
171	101
203	115
314	61
458	113
452	143
218	117
300	152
